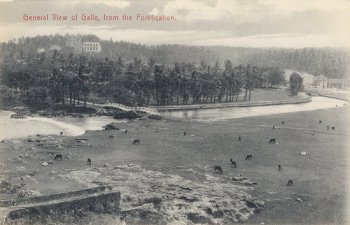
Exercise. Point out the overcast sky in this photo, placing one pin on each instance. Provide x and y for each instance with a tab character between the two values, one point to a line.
248	23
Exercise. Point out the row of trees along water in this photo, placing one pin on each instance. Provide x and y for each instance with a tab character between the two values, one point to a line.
47	79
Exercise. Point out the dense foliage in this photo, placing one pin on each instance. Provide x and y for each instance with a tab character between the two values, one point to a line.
45	69
48	79
331	62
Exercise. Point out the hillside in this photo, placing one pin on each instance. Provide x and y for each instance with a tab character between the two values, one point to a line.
331	62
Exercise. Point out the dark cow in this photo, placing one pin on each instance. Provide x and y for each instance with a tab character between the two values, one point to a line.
272	141
273	127
89	161
218	169
279	167
282	122
137	141
249	157
290	183
185	133
61	133
320	121
233	163
333	128
58	157
111	136
239	138
126	131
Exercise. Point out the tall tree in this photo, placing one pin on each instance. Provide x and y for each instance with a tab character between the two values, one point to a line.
295	83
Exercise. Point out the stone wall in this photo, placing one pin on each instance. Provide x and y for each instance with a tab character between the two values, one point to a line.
69	210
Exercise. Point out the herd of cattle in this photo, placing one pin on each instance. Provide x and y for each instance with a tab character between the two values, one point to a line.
217	169
233	163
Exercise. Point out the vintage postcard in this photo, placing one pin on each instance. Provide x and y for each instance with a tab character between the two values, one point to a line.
125	112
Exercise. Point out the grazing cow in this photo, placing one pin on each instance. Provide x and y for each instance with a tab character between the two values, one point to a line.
290	183
328	127
273	127
249	157
239	138
333	128
81	140
126	131
320	121
279	167
137	141
58	157
185	133
233	163
89	161
218	169
272	141
282	122
111	136
61	133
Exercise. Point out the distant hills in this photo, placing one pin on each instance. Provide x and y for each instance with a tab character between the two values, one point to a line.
330	62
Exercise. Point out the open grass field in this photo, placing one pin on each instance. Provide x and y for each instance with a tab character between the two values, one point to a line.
320	178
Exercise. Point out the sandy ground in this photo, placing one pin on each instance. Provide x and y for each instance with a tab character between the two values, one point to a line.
318	195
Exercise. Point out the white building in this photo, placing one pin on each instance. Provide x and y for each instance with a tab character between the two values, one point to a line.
337	83
91	47
83	46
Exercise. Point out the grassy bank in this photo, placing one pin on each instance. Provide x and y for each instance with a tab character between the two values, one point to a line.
319	178
261	97
343	94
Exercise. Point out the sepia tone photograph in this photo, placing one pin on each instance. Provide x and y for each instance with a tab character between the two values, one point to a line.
174	112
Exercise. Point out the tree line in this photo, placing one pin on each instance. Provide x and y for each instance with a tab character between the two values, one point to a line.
42	78
331	62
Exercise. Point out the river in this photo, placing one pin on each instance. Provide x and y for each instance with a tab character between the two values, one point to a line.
15	128
218	114
70	126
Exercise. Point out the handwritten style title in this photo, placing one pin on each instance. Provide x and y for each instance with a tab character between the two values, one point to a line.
95	17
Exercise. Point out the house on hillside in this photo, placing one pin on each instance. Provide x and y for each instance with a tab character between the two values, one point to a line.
324	82
83	46
337	83
91	46
320	81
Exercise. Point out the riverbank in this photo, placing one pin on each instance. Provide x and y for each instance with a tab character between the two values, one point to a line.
342	94
70	126
175	171
261	97
77	125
